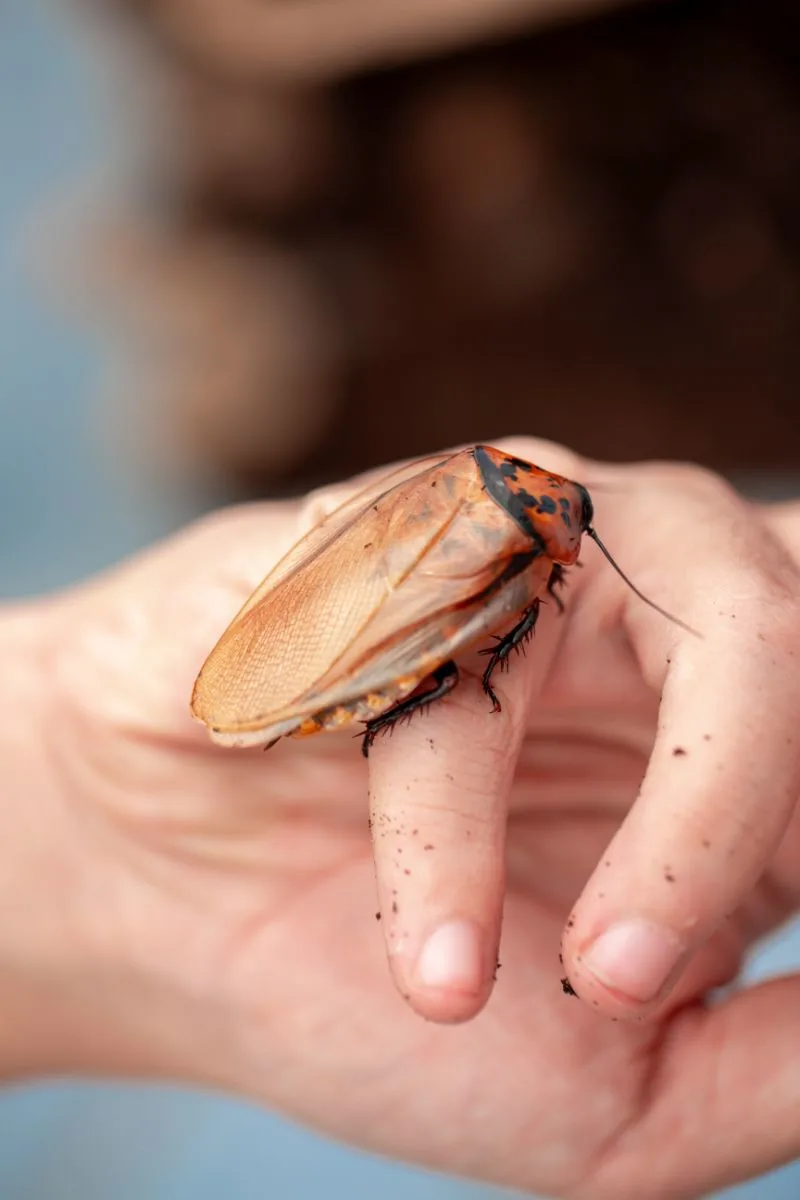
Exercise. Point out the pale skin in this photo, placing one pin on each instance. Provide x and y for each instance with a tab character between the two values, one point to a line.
179	910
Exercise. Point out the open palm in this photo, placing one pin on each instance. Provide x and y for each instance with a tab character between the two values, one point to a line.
232	896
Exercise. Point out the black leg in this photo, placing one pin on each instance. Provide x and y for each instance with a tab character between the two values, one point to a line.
499	653
557	579
445	678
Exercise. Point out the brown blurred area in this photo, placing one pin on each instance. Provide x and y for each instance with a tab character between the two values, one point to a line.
343	252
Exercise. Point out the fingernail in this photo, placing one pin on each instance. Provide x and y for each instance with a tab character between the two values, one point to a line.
634	957
452	957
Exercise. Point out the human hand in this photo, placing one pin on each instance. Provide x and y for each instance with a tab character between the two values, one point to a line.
214	910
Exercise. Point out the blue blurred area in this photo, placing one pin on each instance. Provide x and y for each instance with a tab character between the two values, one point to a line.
68	510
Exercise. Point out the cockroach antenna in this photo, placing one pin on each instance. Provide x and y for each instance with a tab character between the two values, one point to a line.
592	533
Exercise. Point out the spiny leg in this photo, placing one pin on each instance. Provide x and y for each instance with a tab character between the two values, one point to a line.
557	578
444	677
499	653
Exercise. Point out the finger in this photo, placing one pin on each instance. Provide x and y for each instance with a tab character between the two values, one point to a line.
724	775
784	520
726	1100
439	788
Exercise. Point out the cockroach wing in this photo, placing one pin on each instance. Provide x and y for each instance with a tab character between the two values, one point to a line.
442	636
476	577
321	595
322	535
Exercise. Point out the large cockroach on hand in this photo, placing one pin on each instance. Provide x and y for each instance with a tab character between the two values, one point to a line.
363	620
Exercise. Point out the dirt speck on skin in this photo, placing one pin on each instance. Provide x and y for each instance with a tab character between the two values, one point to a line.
377	916
395	909
668	875
570	923
406	871
567	987
706	737
607	863
428	846
679	751
706	844
497	967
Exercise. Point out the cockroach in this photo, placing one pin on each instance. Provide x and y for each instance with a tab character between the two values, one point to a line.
388	590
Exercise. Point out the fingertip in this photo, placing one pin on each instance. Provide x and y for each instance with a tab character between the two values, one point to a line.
451	977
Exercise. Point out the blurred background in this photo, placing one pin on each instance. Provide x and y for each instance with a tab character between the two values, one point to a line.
246	249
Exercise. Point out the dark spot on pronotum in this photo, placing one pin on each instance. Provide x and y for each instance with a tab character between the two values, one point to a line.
547	504
670	878
567	519
567	987
678	751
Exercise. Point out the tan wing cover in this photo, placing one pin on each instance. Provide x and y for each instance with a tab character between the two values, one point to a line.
352	604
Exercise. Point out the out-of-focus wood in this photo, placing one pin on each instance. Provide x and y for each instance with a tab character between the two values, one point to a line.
590	233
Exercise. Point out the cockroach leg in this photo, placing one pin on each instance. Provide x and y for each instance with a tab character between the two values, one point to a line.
558	578
499	653
445	679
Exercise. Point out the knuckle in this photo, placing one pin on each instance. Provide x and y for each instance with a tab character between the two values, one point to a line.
542	452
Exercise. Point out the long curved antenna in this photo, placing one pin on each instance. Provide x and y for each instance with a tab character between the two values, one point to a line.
651	603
